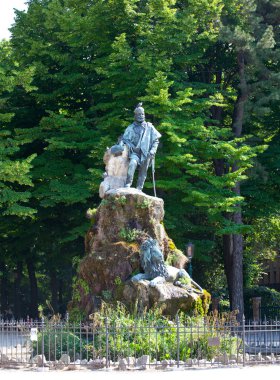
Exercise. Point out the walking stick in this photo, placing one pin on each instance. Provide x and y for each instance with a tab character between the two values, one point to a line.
153	174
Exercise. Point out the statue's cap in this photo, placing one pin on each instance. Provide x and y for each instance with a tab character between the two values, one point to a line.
139	108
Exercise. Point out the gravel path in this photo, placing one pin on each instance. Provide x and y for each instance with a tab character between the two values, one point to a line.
255	372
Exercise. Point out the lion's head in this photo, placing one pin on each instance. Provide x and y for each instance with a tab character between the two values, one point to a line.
152	259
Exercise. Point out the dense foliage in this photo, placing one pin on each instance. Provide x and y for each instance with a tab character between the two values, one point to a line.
270	299
208	74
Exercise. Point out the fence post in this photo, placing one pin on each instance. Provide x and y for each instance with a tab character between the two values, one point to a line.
43	344
178	340
107	342
256	301
243	339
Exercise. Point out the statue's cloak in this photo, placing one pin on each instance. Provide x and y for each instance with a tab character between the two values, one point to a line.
149	139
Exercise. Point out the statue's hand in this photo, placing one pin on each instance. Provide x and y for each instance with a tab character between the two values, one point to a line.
151	155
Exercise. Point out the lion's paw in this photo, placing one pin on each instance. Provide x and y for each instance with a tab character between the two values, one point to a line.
156	281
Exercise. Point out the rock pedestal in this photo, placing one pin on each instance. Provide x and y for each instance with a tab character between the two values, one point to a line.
125	219
122	222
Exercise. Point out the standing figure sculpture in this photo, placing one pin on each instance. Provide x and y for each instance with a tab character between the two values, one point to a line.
142	140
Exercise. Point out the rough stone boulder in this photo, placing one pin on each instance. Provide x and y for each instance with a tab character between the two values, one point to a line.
115	171
169	297
122	222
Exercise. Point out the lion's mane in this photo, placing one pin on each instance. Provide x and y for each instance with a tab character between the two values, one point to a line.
148	251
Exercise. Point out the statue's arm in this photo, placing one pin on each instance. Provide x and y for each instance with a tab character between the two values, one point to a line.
126	139
154	147
155	141
140	276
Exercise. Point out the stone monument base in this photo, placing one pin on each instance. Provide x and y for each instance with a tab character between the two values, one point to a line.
125	218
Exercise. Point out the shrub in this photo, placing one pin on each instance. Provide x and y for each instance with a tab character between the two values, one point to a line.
56	341
270	297
137	334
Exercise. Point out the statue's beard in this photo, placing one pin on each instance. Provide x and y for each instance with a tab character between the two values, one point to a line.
140	120
157	269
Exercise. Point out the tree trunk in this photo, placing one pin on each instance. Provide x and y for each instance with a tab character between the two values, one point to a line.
54	290
237	300
17	291
33	306
4	289
233	262
233	243
60	298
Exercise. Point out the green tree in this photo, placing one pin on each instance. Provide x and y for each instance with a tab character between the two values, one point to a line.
53	125
89	73
15	181
251	32
15	176
261	247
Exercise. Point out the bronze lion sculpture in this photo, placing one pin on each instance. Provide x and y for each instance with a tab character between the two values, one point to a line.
157	272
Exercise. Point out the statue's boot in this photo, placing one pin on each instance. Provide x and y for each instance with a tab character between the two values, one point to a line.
130	173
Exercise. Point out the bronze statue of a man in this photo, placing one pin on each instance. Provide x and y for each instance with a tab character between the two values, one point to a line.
142	140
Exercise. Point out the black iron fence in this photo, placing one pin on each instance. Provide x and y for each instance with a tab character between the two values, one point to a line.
139	345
